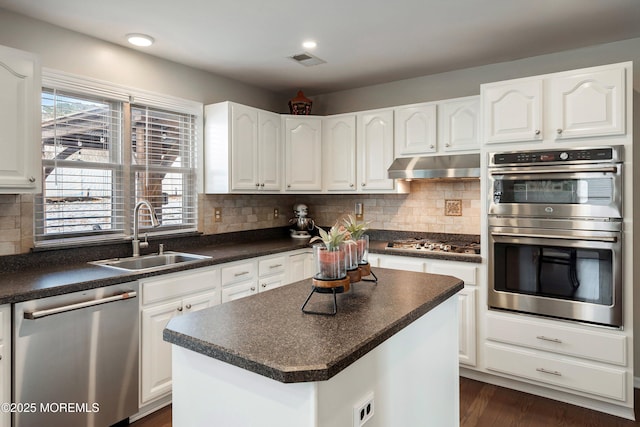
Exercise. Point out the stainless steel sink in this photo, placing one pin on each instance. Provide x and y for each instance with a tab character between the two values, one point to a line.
151	262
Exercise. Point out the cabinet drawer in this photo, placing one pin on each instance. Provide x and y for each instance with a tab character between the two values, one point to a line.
178	284
272	265
600	346
557	370
234	273
467	273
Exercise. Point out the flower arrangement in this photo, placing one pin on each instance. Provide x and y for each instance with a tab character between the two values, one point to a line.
355	228
333	238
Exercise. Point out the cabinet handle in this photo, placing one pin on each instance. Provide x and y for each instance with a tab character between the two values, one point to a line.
351	185
432	146
542	337
363	184
180	308
288	185
188	306
32	179
546	371
537	132
559	131
275	266
241	273
264	285
253	288
447	145
257	184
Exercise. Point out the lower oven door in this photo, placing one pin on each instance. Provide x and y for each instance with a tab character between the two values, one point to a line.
563	273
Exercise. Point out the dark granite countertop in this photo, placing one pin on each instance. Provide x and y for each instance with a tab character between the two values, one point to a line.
274	338
40	275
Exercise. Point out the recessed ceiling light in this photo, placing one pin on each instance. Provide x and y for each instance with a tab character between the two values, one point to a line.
141	40
309	44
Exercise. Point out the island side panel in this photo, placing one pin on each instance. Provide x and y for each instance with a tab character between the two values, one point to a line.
413	375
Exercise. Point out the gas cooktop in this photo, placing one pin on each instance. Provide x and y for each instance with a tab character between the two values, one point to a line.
427	245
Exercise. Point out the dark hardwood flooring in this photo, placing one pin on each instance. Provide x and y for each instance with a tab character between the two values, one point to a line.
486	405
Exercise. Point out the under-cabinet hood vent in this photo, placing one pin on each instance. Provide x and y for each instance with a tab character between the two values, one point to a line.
436	167
307	59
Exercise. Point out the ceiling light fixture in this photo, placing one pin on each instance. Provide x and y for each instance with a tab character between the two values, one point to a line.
310	44
141	40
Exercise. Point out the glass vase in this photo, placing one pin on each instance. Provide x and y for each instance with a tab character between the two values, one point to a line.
363	249
329	264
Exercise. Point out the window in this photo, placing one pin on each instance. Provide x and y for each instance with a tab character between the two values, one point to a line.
95	170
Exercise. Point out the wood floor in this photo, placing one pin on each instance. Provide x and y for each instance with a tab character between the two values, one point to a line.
486	405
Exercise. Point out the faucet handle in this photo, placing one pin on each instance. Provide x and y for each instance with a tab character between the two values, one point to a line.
144	244
160	249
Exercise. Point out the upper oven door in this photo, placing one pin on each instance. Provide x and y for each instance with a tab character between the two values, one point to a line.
558	191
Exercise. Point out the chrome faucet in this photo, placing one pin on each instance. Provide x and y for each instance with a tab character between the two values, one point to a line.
154	222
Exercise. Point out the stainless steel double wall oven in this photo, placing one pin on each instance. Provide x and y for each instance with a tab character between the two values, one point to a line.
555	233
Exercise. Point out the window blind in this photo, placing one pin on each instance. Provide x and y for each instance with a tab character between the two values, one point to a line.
82	171
164	166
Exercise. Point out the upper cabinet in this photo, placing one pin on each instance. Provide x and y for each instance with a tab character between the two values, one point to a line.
375	149
459	124
415	130
436	128
243	149
20	121
580	104
339	153
303	153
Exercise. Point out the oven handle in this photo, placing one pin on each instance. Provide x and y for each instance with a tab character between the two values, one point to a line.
32	315
611	169
612	239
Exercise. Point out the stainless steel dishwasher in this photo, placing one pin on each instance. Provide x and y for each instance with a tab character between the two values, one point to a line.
76	358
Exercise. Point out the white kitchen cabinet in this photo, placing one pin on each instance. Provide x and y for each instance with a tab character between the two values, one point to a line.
375	149
339	153
303	153
239	279
512	110
459	124
415	129
300	266
272	272
20	121
5	362
590	104
163	298
401	263
243	149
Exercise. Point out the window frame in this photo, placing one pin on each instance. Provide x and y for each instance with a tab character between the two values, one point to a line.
127	97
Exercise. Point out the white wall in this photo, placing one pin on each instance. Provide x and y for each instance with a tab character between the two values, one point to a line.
76	53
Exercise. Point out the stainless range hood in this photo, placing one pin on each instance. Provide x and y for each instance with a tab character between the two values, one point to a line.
436	167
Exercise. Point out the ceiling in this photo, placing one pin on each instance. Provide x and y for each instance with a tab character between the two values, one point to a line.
363	42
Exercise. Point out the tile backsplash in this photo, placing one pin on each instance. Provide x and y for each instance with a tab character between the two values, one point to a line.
423	209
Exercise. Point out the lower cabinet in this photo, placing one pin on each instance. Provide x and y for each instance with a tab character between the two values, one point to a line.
162	299
468	272
5	362
300	265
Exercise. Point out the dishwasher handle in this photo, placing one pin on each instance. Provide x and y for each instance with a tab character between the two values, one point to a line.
32	315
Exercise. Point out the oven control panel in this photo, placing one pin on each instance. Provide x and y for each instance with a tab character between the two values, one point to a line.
604	155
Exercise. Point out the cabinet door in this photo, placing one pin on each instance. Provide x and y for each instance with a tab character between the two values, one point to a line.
375	150
339	153
401	263
5	363
272	282
459	125
300	267
415	130
589	104
512	111
155	353
239	290
244	148
303	153
467	326
20	135
199	302
270	151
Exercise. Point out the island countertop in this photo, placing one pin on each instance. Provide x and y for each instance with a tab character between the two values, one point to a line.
268	334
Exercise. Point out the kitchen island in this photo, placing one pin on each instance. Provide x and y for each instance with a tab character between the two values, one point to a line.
261	361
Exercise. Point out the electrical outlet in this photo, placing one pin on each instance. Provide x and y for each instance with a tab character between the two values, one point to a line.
363	411
276	213
359	211
217	215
